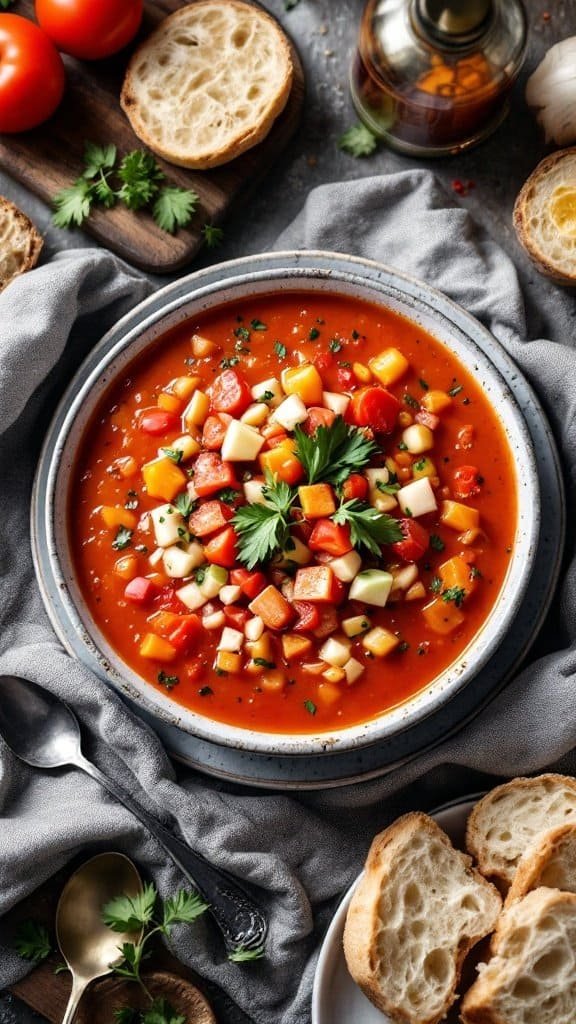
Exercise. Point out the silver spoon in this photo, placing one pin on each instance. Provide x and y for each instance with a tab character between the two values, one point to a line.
44	733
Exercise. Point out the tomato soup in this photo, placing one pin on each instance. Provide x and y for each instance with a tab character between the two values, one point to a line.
293	513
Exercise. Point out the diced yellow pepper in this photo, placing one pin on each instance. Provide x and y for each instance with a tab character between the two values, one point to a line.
435	401
334	674
197	410
362	373
423	467
282	463
259	651
294	646
168	402
157	648
329	693
317	500
189	446
126	567
203	347
389	366
442	616
456	573
163	479
380	642
184	387
228	661
417	592
304	381
458	516
114	517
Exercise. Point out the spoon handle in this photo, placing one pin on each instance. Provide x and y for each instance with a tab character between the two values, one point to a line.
79	986
241	922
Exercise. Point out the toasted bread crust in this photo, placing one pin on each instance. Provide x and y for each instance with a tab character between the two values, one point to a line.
237	141
20	243
523	207
364	956
536	866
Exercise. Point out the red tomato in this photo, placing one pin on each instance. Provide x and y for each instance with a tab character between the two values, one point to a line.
308	616
374	407
356	486
415	542
467	482
318	417
346	378
221	549
140	590
211	474
186	634
90	29
323	361
230	393
251	583
328	536
214	432
209	518
158	422
31	75
236	617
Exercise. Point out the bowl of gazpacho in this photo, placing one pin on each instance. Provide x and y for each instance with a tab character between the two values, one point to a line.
290	507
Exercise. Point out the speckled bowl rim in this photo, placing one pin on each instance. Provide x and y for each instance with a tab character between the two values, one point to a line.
178	302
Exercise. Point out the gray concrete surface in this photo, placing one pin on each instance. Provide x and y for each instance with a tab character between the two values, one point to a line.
325	33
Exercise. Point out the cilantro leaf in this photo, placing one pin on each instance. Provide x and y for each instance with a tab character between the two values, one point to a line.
358	141
140	175
330	454
122	539
241	955
98	158
72	205
264	529
174	208
183	908
369	528
32	941
213	236
130	913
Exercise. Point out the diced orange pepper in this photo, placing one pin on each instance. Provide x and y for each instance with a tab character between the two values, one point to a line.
316	583
156	648
294	646
458	516
436	401
456	573
126	466
114	516
317	500
185	387
126	567
304	381
272	607
228	661
171	403
282	463
442	616
164	623
163	479
203	347
389	366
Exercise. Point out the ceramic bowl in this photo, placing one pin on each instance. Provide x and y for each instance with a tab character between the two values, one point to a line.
202	291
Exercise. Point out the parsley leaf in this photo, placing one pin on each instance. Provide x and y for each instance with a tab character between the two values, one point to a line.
358	141
241	955
140	175
335	345
267	396
455	594
280	350
435	584
331	453
313	334
125	1015
161	1012
184	504
264	529
392	487
258	325
174	454
228	495
174	208
213	236
183	908
73	204
32	941
369	528
98	158
436	542
264	663
130	913
225	364
122	539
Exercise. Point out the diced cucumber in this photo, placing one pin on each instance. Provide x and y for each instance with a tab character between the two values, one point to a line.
191	596
167	523
353	669
231	640
356	625
179	562
335	651
290	412
337	403
417	498
241	442
253	492
215	578
271	386
295	553
346	567
372	587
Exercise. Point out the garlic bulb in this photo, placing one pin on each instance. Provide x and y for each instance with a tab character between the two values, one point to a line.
551	91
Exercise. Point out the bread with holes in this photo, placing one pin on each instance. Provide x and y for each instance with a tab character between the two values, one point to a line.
549	861
417	910
20	243
208	83
531	976
545	216
512	816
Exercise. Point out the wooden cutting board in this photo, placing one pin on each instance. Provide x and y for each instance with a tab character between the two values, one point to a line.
50	157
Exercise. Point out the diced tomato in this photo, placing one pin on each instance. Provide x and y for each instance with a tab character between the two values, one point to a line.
427	419
346	379
323	361
211	474
374	407
465	437
273	608
328	622
140	590
415	543
236	617
467	482
308	616
356	486
250	583
318	417
210	517
164	623
303	530
275	441
158	422
317	583
328	536
186	635
169	601
195	669
221	550
230	393
339	590
214	431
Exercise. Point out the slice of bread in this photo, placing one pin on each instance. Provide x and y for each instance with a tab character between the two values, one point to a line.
511	816
20	243
531	977
208	83
545	216
418	909
549	861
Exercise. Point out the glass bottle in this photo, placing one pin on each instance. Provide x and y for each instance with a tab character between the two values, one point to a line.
432	77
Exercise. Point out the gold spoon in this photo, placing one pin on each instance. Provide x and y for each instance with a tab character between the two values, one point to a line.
90	948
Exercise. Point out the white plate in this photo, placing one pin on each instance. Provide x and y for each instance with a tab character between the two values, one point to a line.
336	998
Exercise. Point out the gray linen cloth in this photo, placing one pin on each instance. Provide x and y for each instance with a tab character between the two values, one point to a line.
304	851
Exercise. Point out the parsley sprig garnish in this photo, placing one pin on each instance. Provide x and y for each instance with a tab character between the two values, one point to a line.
32	941
264	529
369	528
332	453
358	141
137	182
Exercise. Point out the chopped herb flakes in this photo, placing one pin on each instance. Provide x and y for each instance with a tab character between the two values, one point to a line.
436	542
227	364
310	707
257	325
280	350
122	539
455	390
313	334
168	681
455	594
